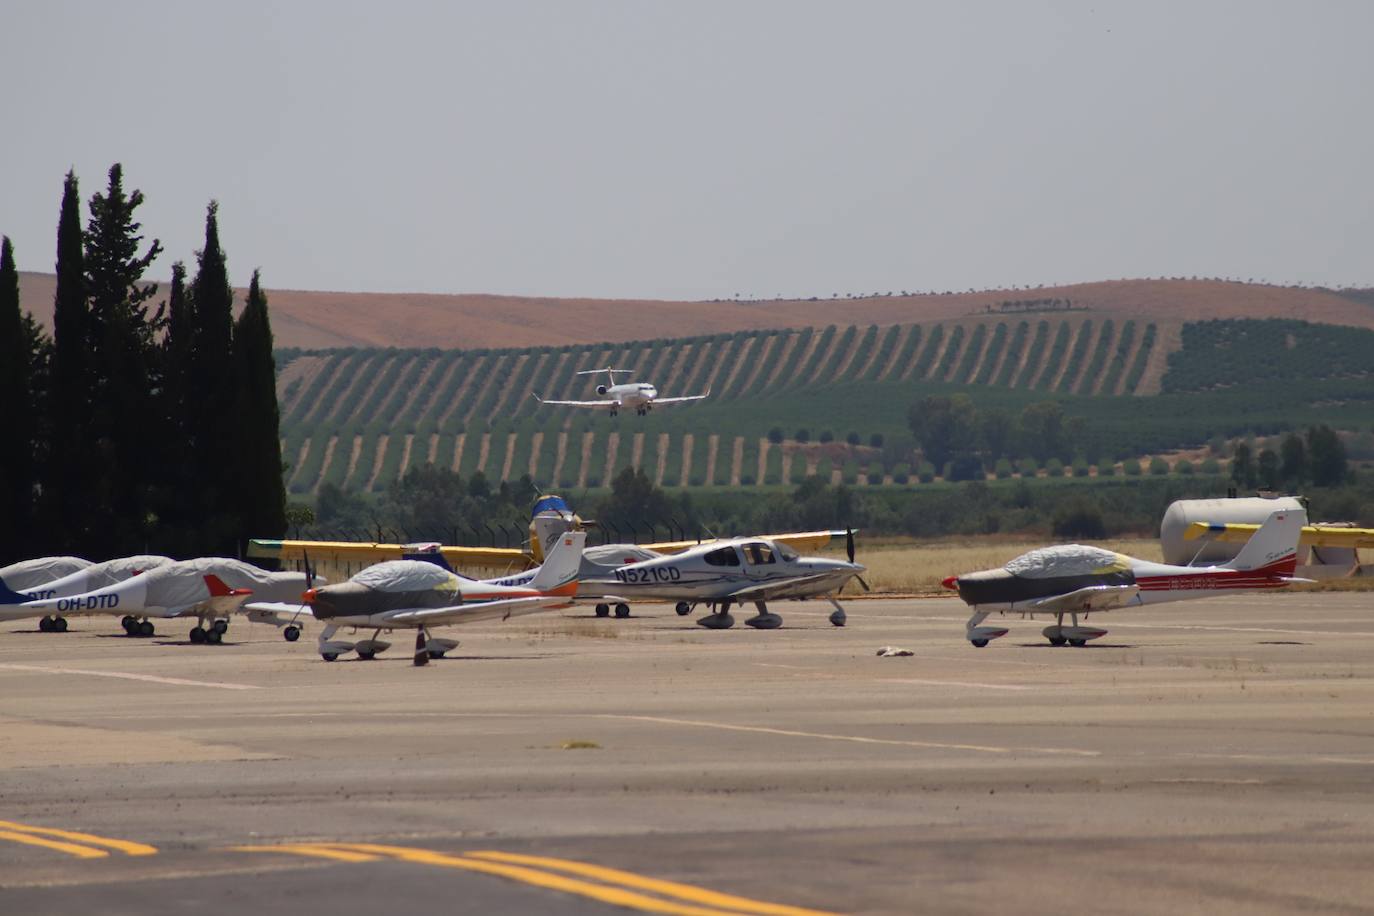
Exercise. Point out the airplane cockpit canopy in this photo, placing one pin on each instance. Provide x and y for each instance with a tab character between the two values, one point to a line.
404	576
787	553
1065	560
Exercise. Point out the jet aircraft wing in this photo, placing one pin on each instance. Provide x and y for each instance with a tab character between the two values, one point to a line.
1311	535
473	612
1091	598
581	403
679	400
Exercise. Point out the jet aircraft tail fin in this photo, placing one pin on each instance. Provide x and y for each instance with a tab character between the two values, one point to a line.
1273	549
558	575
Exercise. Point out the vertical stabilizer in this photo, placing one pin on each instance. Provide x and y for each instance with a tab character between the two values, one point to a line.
1273	549
558	575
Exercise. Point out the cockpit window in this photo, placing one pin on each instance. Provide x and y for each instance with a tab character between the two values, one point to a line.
787	553
725	556
758	553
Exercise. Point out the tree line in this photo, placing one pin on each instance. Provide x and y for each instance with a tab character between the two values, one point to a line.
135	427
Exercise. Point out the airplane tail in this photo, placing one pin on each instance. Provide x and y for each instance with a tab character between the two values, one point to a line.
558	575
10	596
1273	549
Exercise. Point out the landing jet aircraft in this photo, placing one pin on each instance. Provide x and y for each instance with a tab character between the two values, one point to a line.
209	589
639	395
85	579
419	595
1075	579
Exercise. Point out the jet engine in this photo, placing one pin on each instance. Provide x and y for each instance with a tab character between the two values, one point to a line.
601	390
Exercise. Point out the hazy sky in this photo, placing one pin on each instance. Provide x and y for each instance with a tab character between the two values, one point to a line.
703	149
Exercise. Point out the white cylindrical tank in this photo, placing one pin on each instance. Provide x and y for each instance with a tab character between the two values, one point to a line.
1246	510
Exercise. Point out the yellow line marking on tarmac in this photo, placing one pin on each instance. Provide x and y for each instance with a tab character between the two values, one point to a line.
858	739
313	849
27	833
667	888
124	675
71	849
615	896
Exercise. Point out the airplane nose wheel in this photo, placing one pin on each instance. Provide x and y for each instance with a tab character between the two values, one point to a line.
683	608
291	633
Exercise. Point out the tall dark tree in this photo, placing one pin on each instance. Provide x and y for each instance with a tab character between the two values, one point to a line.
1243	466
175	475
1326	456
124	368
211	382
263	494
73	469
1293	455
22	354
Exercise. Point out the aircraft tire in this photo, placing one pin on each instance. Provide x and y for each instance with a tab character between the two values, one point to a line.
1057	640
838	618
145	628
291	633
45	625
367	656
436	653
214	637
130	626
197	635
603	610
683	608
717	621
59	624
1078	643
330	656
765	622
622	610
220	626
979	643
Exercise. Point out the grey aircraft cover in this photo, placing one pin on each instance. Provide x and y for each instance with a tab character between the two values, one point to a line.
28	573
1065	560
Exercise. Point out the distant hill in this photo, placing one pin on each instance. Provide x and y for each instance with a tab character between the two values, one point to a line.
319	320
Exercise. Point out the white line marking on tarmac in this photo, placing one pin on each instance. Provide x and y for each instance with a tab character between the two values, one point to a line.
124	675
934	683
858	739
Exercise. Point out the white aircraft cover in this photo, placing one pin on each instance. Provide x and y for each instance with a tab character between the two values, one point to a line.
1065	560
29	573
404	576
99	575
183	583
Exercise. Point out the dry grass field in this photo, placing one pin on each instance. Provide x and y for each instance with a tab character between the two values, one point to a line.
312	319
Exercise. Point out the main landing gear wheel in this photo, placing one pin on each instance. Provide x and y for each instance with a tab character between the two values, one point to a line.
145	628
220	626
366	656
718	621
59	624
765	621
1078	643
1056	640
979	643
291	633
683	608
197	635
130	626
622	610
214	637
330	656
45	625
603	610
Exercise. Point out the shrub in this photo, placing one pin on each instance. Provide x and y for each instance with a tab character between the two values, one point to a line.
1080	466
1106	469
850	474
1027	467
746	480
827	436
876	472
1211	466
901	474
803	435
964	467
1079	519
1054	467
876	440
926	472
1130	467
775	435
1183	466
1158	467
1002	469
853	438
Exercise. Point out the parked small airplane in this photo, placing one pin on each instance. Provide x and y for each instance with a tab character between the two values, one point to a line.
209	589
639	395
418	594
1076	579
29	574
86	579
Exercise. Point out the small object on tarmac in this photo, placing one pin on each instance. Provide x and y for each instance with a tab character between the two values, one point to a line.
893	651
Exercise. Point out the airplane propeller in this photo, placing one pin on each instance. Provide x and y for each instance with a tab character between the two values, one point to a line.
849	550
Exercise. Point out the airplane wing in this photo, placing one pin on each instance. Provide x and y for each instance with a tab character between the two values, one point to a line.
1092	598
658	401
801	541
1311	536
581	403
778	588
338	552
475	611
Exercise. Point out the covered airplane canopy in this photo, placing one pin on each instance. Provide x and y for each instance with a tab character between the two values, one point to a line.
1065	560
404	576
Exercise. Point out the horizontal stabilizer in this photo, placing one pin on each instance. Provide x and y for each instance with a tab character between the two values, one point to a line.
218	589
1092	598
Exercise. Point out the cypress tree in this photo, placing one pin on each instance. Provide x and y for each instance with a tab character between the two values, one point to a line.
73	470
123	362
259	467
20	378
211	382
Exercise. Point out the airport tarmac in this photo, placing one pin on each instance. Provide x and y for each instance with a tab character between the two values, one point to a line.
1213	756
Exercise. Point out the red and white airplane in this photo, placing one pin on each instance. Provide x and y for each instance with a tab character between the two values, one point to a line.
1075	579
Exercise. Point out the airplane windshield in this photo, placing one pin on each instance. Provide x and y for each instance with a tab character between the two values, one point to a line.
758	553
787	553
725	556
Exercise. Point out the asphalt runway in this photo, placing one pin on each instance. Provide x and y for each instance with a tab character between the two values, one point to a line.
1215	756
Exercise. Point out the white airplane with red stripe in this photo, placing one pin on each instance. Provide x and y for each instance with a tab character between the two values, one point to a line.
1075	579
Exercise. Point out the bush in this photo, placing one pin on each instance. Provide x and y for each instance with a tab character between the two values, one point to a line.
965	467
1079	519
1211	466
901	474
1002	469
1080	466
827	436
926	472
1158	467
746	480
775	435
1106	469
1027	467
876	440
1054	468
1130	467
850	474
803	435
853	439
1183	466
876	472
